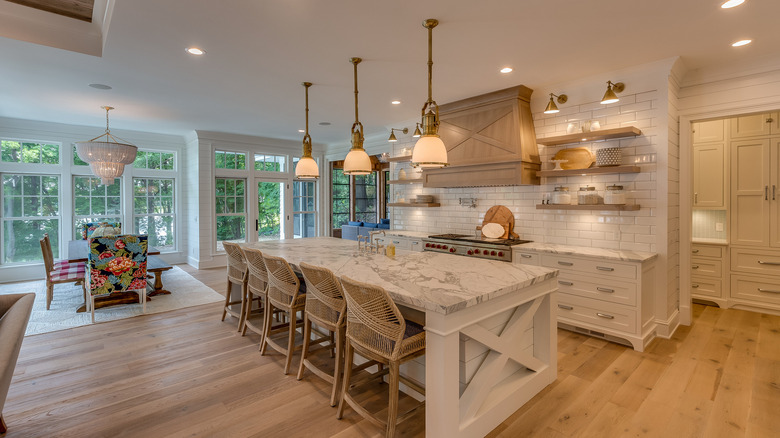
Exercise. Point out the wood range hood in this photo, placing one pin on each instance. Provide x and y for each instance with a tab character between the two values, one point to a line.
490	141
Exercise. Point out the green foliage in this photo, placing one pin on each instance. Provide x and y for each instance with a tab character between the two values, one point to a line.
154	160
269	208
269	163
34	153
340	198
76	160
229	160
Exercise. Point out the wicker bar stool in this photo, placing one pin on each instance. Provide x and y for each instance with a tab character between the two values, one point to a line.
377	331
284	295
325	306
237	272
256	289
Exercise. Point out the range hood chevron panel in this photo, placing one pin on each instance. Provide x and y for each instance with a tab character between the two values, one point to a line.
490	141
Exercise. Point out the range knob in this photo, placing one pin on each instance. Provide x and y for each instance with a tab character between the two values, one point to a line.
452	249
438	246
500	254
485	252
444	246
427	245
492	253
469	252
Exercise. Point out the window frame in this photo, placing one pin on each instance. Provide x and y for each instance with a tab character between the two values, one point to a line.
6	218
172	214
94	217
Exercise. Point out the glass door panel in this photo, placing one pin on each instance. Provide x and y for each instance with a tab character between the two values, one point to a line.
270	210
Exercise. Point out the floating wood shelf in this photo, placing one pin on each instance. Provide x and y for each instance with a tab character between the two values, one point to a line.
399	159
587	207
605	134
414	204
406	181
589	171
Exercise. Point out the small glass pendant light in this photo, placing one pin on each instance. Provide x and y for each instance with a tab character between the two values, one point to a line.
357	161
430	152
307	168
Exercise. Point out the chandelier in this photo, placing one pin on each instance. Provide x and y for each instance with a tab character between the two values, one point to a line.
430	152
357	161
106	154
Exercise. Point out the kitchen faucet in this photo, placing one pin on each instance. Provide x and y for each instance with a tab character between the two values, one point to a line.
375	247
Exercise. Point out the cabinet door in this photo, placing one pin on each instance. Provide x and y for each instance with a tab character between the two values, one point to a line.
774	193
751	125
750	193
709	131
709	175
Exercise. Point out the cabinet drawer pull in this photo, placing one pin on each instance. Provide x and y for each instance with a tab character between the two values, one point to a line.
566	263
761	262
565	283
565	307
766	193
396	241
604	289
604	315
769	290
605	268
526	256
415	243
774	188
695	251
694	266
695	286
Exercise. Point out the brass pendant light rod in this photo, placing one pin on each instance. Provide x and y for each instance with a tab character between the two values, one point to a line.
357	136
307	167
430	120
307	137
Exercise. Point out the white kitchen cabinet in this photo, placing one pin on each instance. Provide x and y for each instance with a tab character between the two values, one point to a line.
709	175
750	198
708	271
709	131
754	125
402	242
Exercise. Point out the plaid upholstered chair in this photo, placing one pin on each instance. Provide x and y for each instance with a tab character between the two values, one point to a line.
117	264
59	271
89	228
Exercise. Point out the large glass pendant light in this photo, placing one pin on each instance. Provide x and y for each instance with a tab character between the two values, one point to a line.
357	161
107	157
307	168
430	152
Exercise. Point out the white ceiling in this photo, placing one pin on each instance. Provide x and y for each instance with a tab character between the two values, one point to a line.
258	53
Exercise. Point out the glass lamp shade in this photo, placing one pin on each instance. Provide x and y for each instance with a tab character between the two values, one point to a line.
107	171
307	168
357	163
429	152
106	151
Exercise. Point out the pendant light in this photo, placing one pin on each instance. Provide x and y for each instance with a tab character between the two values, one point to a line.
430	152
107	157
307	168
357	161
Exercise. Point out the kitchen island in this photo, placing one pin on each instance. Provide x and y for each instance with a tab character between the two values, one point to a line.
490	327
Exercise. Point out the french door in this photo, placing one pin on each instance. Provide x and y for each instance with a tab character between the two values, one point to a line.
271	218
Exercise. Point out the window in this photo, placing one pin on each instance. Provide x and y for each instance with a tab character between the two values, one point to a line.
365	197
229	160
154	161
270	163
28	152
30	209
76	160
387	193
340	196
304	209
231	211
153	211
95	202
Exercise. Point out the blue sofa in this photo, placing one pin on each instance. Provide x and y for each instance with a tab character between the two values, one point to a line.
353	229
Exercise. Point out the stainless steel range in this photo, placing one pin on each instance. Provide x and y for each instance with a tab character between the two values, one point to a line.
465	245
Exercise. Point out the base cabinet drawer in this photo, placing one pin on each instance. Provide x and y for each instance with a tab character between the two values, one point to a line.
399	242
706	267
604	268
527	258
596	288
755	261
596	313
757	289
706	287
699	250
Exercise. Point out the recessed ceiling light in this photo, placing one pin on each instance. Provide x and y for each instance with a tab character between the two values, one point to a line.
100	86
195	51
731	4
396	102
506	70
324	123
741	43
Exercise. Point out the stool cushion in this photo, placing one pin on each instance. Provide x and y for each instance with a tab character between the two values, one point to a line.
73	271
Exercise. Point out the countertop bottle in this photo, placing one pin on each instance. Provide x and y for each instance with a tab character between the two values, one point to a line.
561	196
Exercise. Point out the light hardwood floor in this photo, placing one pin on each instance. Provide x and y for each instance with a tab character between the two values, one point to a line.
185	373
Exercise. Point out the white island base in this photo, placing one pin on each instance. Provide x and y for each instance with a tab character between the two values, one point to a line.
515	334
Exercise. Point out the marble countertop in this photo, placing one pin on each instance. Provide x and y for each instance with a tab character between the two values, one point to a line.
429	281
710	241
602	253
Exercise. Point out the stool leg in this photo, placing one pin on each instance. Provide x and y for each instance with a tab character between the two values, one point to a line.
244	291
348	357
334	395
290	341
227	298
306	339
267	329
392	406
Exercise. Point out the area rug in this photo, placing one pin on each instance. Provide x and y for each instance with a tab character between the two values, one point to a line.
186	291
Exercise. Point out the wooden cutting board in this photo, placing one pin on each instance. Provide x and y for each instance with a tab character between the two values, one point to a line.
578	158
503	216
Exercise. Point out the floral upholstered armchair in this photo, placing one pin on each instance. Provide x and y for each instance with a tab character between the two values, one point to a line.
117	264
102	228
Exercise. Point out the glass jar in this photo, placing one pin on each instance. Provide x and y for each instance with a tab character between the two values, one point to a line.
561	196
588	196
615	195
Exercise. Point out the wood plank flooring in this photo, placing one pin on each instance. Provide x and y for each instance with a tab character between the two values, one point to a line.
186	373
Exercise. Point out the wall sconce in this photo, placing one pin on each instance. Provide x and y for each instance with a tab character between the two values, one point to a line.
392	138
552	108
610	96
417	132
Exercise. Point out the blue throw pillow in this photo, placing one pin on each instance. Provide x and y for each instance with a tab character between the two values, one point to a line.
355	223
384	221
370	224
383	226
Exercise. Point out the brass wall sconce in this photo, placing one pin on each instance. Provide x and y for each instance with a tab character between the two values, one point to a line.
612	88
392	138
552	108
417	132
